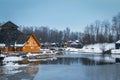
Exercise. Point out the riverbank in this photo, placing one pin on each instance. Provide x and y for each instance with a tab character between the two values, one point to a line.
29	58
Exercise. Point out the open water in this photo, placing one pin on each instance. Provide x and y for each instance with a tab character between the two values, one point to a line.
66	67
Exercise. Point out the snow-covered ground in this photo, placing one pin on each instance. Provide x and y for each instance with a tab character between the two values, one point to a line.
41	53
32	54
2	55
100	47
32	60
12	58
70	49
9	61
93	48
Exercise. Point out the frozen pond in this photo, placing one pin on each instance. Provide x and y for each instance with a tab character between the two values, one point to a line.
66	67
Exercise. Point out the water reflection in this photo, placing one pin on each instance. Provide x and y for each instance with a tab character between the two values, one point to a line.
18	73
84	60
32	70
93	67
66	67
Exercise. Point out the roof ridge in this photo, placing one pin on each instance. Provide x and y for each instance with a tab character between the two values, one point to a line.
10	24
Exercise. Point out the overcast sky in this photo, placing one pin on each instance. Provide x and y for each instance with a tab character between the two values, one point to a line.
75	14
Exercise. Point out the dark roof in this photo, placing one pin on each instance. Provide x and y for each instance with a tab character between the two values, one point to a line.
10	36
9	25
9	33
22	38
118	42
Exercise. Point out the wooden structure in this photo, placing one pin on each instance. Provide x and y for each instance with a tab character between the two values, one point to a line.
16	41
32	44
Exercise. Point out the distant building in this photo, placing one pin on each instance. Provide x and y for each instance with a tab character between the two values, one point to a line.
117	44
75	44
12	40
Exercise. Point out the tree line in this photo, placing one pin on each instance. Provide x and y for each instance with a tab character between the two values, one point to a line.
45	34
98	32
102	31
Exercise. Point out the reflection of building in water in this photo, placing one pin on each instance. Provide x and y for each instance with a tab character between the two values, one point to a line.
32	70
1	72
11	70
18	73
34	62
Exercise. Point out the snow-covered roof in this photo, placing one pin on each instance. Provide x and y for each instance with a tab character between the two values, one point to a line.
16	45
53	43
118	41
74	43
2	45
19	45
77	41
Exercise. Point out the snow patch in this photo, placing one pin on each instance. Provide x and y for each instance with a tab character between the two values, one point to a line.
12	58
93	48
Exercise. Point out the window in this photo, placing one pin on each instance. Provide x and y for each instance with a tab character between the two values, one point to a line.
34	42
27	42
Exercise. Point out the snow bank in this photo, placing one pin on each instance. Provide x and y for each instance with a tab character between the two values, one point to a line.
93	48
2	55
98	46
13	58
9	61
90	50
41	53
33	54
70	49
109	46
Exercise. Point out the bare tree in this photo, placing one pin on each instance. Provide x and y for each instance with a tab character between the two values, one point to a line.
116	26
